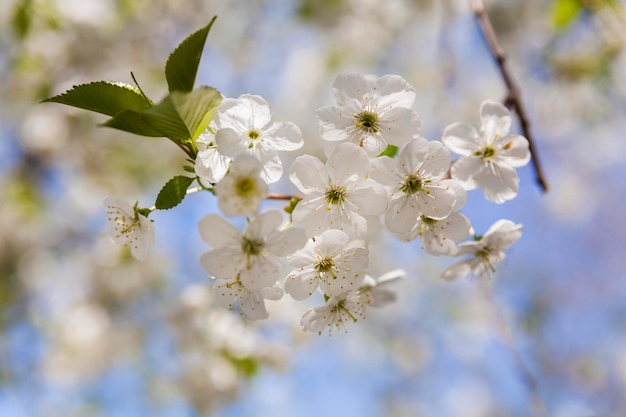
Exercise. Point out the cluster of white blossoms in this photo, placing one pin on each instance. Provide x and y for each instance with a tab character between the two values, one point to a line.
377	166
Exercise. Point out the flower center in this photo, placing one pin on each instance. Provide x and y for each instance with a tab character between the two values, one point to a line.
251	247
253	134
412	184
367	121
335	194
487	153
324	265
245	186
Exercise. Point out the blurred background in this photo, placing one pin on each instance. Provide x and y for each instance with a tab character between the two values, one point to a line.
85	330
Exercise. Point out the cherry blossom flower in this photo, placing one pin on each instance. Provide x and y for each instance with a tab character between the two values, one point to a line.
487	251
331	262
371	112
336	195
415	184
252	302
210	164
254	256
128	227
374	291
244	125
240	192
489	154
439	236
338	310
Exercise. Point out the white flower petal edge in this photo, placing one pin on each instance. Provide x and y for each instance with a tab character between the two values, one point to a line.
210	165
129	228
487	252
489	154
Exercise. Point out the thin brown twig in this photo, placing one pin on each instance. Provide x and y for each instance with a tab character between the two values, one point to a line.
282	197
513	98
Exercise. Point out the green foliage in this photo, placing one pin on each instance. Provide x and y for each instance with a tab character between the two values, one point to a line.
21	21
173	192
565	11
180	116
391	151
182	65
103	97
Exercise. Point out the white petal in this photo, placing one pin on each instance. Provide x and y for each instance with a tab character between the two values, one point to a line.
263	225
231	142
334	123
286	242
436	161
264	271
271	165
465	169
412	155
370	198
275	292
437	204
402	214
457	270
394	91
223	263
253	305
399	125
459	191
499	184
502	234
513	150
386	171
347	163
350	89
284	136
462	139
300	284
308	174
495	120
217	232
211	166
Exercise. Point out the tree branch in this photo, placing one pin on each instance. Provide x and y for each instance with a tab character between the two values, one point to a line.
513	99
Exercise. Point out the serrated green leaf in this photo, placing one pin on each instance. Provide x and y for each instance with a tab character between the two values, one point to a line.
180	116
391	151
103	97
564	12
182	65
173	192
196	108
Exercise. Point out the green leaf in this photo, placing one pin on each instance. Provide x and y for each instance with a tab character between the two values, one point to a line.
173	192
103	97
182	65
564	12
180	116
22	19
391	151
